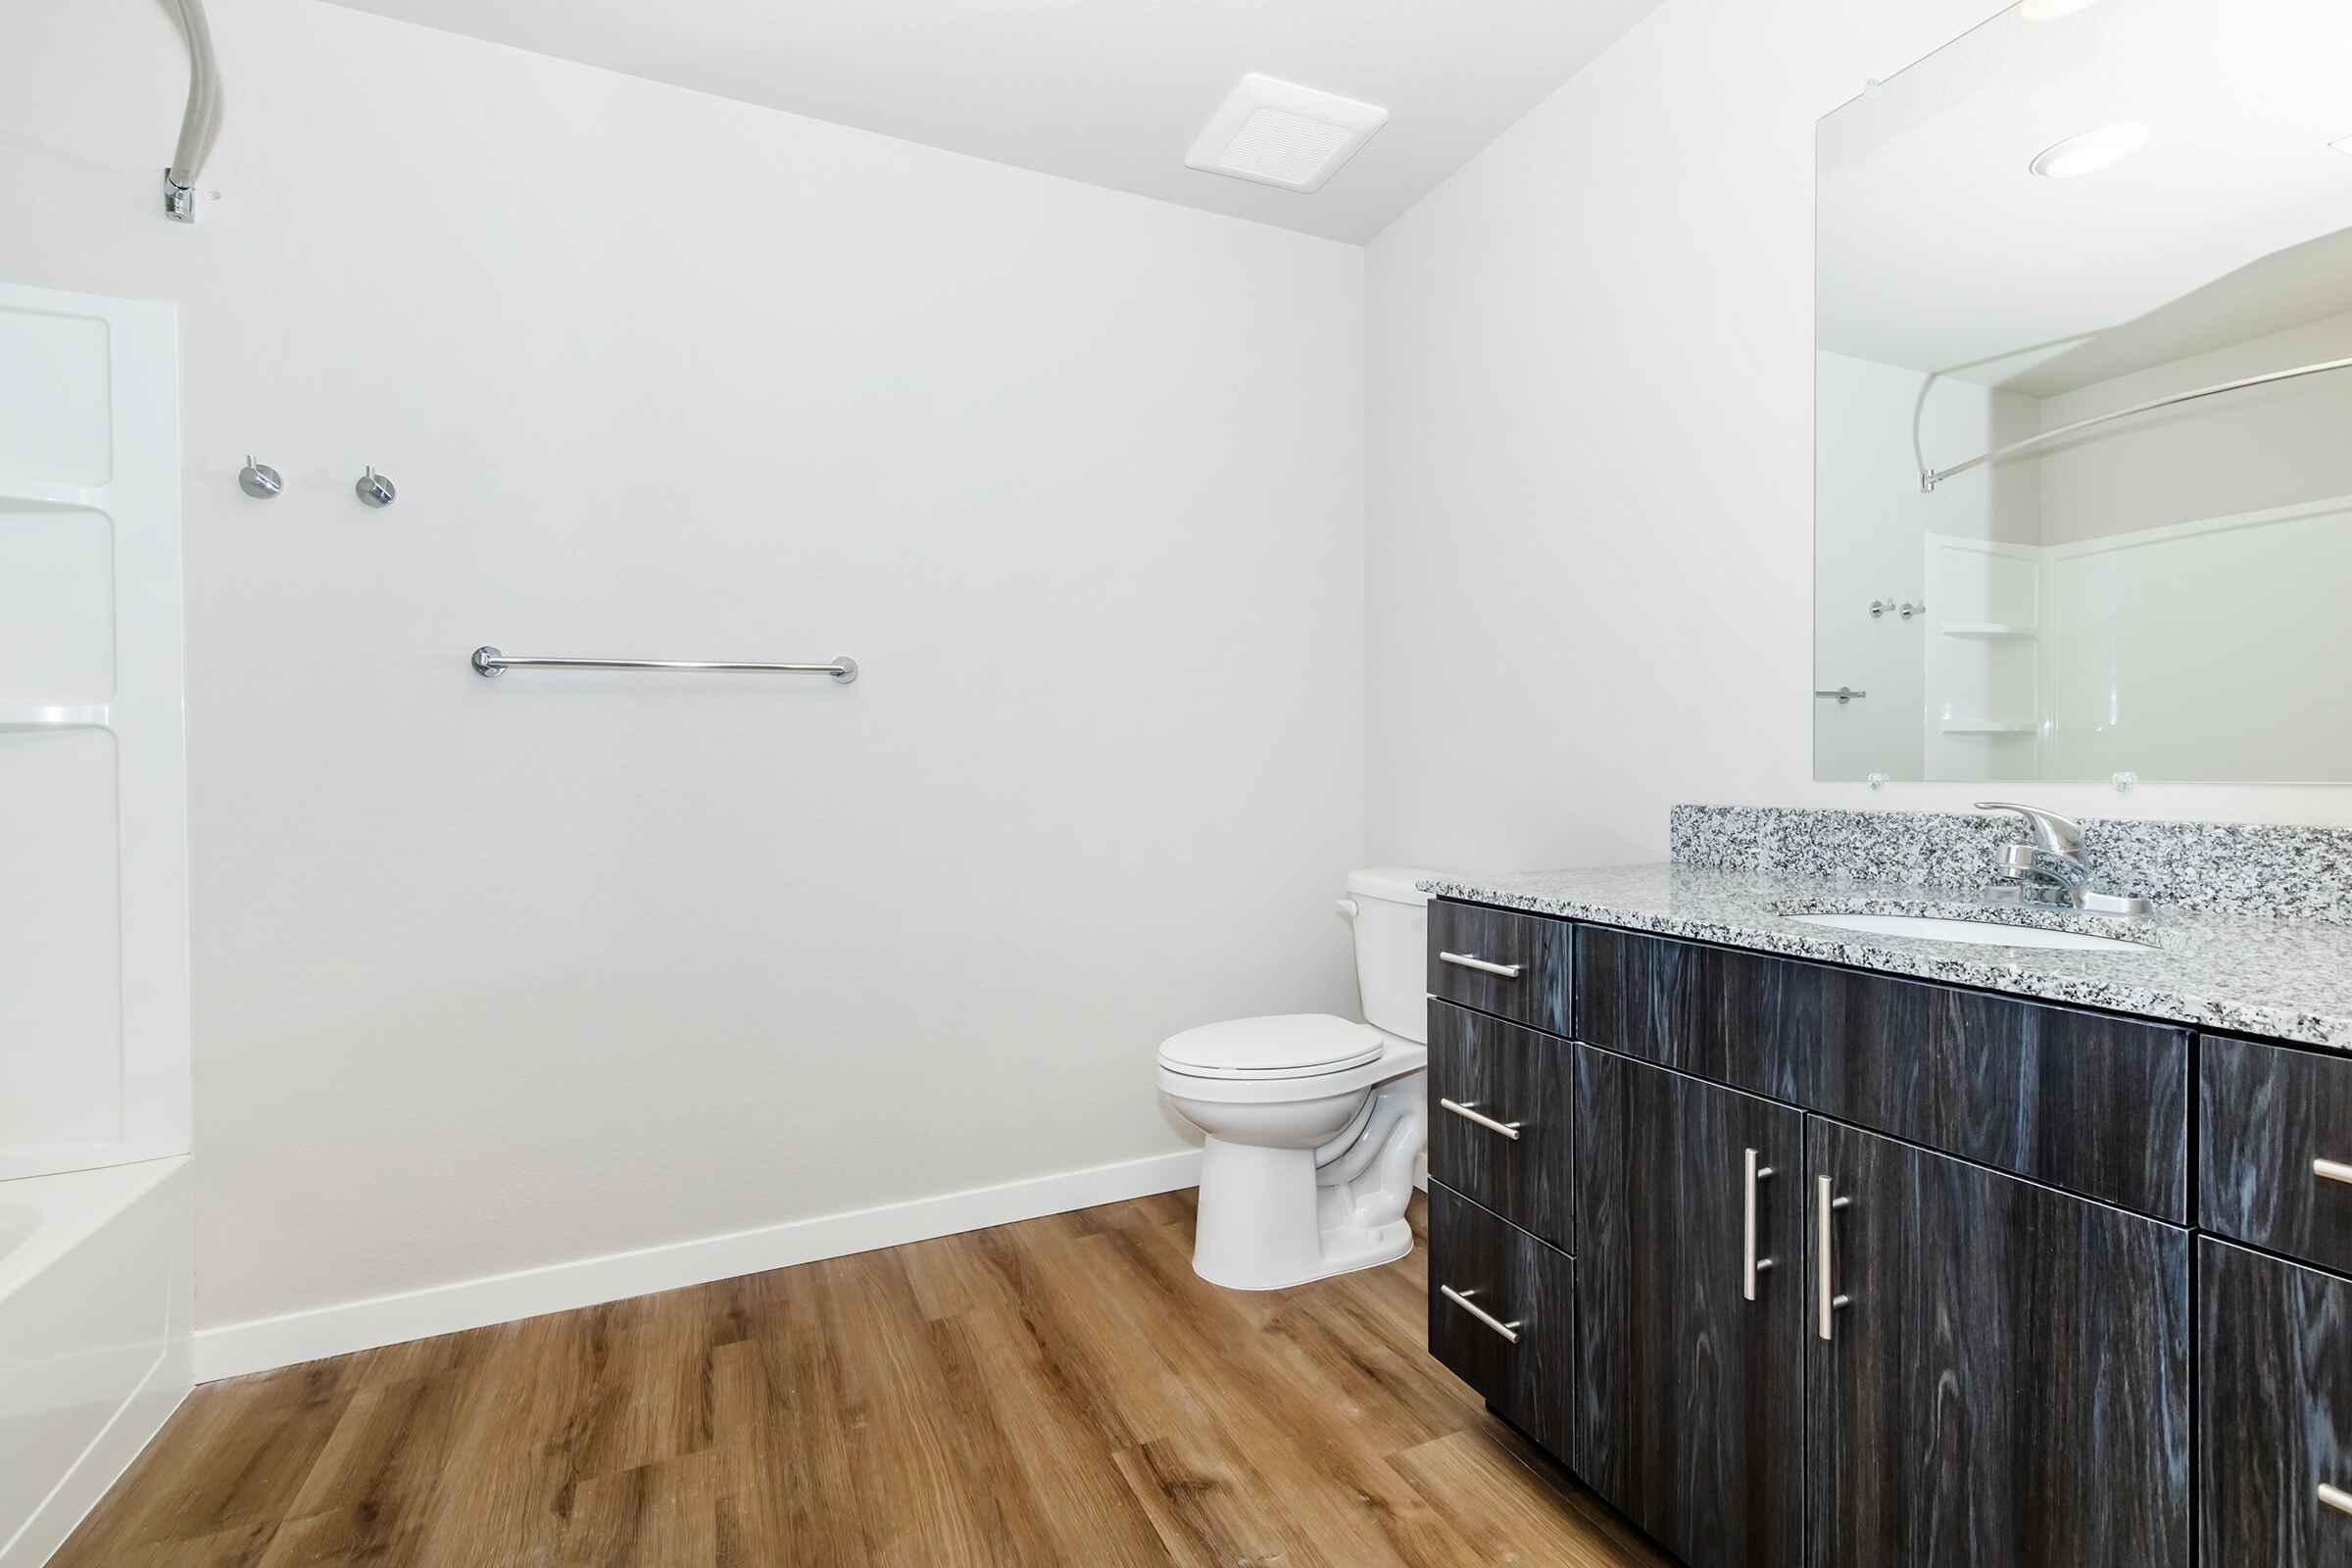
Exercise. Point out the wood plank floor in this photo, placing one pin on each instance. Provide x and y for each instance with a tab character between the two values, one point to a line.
1063	1390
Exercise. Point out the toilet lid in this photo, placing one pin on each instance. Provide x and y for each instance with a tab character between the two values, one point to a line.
1292	1044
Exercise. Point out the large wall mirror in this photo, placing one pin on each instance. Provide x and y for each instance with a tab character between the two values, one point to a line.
2083	432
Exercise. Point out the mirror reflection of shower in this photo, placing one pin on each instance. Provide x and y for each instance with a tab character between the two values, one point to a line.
2081	394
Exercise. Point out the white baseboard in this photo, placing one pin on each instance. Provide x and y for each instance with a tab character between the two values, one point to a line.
258	1345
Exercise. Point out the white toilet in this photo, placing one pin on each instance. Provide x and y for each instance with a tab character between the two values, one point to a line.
1315	1124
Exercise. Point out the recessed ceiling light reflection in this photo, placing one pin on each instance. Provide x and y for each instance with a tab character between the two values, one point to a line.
2090	152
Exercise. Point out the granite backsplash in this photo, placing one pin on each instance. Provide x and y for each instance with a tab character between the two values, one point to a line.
2250	868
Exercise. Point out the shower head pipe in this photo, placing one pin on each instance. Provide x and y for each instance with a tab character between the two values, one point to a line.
201	121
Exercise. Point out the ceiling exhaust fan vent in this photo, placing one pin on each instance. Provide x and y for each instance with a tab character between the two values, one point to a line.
1280	134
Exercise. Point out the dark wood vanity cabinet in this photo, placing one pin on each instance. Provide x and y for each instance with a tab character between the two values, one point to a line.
2001	1373
1871	1272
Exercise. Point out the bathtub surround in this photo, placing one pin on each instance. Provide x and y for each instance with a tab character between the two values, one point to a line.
94	1352
2264	869
500	977
96	1223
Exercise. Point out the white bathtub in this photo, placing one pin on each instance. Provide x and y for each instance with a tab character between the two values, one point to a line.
94	1303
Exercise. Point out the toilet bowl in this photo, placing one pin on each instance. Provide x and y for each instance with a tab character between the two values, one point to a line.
1315	1124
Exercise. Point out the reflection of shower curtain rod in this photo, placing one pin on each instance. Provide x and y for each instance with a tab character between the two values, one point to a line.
1928	477
201	121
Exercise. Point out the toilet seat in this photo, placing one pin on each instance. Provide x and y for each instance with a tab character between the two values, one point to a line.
1395	1059
1292	1044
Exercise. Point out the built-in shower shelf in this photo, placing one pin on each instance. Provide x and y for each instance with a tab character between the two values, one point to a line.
1988	726
36	715
1989	631
16	490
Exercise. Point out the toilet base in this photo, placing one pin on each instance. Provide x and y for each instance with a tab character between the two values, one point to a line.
1269	1220
1372	1256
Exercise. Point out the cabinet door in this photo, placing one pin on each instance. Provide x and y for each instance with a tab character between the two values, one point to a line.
1997	1372
1691	1400
2274	1412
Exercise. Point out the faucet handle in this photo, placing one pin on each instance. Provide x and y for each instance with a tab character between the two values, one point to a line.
2060	835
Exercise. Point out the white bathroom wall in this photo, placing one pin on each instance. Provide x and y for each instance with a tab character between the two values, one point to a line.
1591	435
493	975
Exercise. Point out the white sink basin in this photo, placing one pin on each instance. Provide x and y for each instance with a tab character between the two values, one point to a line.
1977	933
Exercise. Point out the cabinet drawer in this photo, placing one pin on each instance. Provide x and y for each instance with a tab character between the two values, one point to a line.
2274	1411
1514	965
2268	1121
2079	1099
1524	1360
1481	1067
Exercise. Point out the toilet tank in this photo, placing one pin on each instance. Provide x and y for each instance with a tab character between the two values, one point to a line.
1391	918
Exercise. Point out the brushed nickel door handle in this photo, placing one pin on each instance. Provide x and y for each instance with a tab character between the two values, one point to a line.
2335	1497
1461	1298
1750	1263
1831	1302
1508	972
1469	1112
2332	1170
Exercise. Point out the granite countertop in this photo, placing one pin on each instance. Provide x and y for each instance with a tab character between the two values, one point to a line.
2289	979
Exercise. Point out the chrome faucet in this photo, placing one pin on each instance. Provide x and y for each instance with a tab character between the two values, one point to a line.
2050	870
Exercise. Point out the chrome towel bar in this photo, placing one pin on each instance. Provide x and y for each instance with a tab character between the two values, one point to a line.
490	663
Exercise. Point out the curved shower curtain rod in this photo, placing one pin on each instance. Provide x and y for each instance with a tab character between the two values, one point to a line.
200	123
1928	477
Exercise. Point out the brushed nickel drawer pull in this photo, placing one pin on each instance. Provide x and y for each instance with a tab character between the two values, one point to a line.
1469	1112
1461	1298
1750	1264
1829	1304
1508	972
2335	1497
2333	1170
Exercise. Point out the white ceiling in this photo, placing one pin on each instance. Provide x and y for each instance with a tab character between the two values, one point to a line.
1939	251
1108	91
